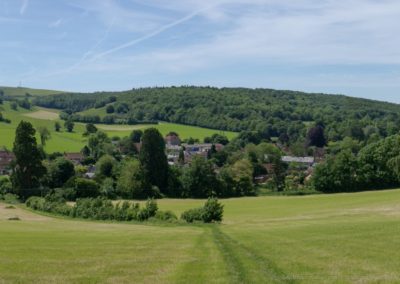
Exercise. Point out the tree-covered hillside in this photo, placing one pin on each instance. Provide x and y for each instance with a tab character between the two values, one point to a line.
270	112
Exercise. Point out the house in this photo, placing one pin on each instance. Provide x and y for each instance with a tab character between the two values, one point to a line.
201	148
6	159
172	139
76	158
301	160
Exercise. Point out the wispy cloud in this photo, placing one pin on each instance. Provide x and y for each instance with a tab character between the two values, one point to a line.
24	6
56	23
153	33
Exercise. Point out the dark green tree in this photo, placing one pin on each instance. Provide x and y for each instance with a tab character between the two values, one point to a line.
44	134
110	109
57	126
105	166
136	135
316	137
14	106
60	170
69	125
153	159
199	180
90	128
28	169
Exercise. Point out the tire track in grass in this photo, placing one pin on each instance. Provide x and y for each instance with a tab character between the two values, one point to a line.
234	253
204	262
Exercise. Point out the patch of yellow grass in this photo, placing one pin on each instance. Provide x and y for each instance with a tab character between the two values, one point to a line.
25	215
119	127
43	114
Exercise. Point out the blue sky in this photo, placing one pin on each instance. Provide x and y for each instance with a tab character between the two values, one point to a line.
349	46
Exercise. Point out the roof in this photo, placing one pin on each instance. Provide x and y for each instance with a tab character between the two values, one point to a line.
74	156
6	155
6	158
304	160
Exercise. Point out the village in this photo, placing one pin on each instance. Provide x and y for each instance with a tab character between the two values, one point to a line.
181	154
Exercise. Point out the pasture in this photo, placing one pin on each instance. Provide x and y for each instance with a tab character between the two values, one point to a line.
73	142
341	238
22	91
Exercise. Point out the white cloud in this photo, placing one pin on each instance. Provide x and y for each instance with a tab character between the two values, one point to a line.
111	12
56	23
326	33
24	6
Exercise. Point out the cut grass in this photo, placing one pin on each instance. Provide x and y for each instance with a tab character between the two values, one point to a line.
73	142
342	238
43	114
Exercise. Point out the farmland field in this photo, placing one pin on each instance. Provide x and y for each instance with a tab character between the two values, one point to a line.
72	142
342	238
22	91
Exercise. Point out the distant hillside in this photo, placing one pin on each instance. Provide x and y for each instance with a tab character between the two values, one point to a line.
270	112
22	91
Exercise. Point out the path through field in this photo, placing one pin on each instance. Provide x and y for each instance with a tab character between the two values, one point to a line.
343	238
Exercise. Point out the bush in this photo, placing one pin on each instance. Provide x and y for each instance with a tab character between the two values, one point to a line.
5	185
51	203
165	216
148	211
11	198
36	203
98	209
86	188
126	211
212	211
93	208
192	215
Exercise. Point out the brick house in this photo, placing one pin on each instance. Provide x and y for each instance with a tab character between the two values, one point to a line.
6	159
76	158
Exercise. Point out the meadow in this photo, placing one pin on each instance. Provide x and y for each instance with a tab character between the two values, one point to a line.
74	142
341	238
22	91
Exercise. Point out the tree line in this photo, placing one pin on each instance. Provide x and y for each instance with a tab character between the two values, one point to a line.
270	113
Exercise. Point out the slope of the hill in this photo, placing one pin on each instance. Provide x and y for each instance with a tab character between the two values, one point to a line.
22	92
272	112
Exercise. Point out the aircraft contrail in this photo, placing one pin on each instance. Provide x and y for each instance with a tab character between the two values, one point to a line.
152	34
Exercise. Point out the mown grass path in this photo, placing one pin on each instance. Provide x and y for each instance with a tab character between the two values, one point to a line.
245	264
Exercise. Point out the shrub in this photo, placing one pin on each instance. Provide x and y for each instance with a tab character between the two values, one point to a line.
5	185
98	208
51	203
36	203
192	215
11	198
93	208
126	211
212	211
148	211
165	216
86	188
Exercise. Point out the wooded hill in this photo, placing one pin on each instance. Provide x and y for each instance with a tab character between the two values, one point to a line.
270	112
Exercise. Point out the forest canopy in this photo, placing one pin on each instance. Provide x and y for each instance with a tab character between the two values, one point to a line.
272	113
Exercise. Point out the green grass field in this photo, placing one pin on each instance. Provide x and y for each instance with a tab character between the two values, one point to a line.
21	91
342	238
72	142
